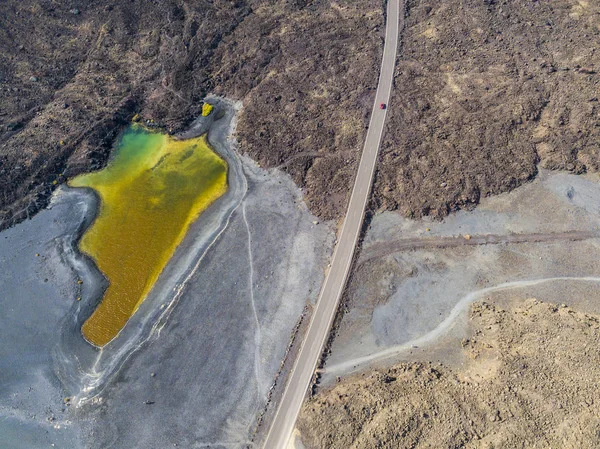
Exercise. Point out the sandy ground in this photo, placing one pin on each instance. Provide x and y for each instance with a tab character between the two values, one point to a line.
213	331
399	301
529	380
441	343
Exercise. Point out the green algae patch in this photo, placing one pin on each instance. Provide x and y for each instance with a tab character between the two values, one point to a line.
150	193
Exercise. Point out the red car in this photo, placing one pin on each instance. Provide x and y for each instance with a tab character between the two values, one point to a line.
382	106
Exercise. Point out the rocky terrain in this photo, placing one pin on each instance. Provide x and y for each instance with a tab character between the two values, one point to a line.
528	380
484	90
72	75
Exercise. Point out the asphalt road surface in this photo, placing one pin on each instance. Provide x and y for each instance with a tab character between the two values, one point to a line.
324	314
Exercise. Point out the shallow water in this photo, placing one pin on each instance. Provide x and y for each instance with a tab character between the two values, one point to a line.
150	193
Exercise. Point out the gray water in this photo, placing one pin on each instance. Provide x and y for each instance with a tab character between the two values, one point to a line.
37	296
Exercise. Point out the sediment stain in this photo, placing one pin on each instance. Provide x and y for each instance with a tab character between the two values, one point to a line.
152	190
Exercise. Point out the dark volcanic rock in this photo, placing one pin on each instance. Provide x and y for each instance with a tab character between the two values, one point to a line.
294	64
479	101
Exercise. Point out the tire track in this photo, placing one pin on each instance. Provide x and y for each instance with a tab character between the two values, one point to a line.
382	249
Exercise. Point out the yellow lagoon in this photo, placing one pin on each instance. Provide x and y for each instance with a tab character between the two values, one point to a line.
150	193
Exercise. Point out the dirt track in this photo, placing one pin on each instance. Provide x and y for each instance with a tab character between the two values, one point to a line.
385	248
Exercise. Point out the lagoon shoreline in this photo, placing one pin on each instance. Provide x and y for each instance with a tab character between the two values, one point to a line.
77	369
195	364
95	366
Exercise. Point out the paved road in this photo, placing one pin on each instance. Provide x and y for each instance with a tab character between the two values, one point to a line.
324	313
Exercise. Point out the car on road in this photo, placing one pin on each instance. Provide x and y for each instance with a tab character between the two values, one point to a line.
382	106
